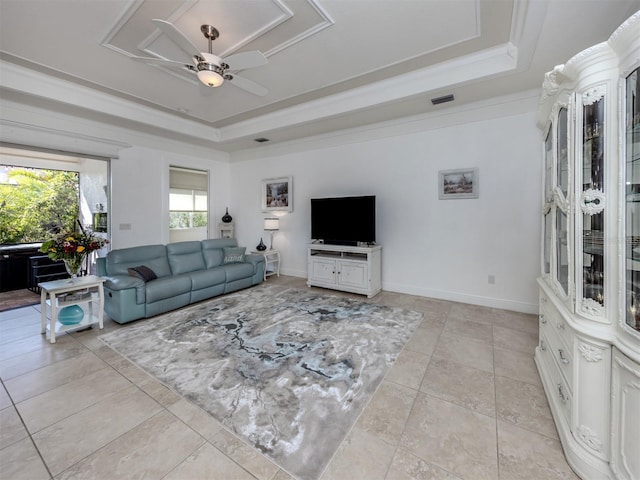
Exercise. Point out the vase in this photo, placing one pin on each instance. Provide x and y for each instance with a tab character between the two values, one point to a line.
226	218
71	315
261	246
73	265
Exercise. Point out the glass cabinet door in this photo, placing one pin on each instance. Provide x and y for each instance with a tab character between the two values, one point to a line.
548	184
593	196
562	250
632	204
563	153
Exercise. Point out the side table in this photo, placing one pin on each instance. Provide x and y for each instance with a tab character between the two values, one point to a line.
271	262
66	292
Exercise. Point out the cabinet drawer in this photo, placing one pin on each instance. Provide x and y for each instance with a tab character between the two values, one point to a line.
561	353
553	320
559	392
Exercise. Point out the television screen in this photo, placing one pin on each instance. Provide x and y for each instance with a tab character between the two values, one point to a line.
344	220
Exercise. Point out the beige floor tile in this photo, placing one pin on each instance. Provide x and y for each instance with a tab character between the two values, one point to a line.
282	475
11	427
53	376
159	392
453	438
31	329
5	399
244	455
361	456
408	369
523	322
54	405
431	307
27	319
424	339
465	386
516	365
475	313
211	464
406	466
387	412
196	418
20	461
33	360
150	450
511	339
524	405
32	343
95	426
525	455
465	351
469	329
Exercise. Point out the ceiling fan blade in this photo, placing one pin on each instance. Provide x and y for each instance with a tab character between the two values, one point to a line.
249	86
176	36
242	60
161	61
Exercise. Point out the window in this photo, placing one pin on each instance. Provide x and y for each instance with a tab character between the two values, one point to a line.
187	208
188	204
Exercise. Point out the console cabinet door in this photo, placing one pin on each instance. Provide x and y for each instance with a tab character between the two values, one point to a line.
323	270
353	274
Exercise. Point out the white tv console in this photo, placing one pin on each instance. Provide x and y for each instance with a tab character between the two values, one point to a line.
350	269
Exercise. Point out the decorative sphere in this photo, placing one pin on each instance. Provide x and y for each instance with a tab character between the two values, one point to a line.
71	315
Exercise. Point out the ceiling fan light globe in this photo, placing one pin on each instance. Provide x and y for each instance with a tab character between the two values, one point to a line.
210	78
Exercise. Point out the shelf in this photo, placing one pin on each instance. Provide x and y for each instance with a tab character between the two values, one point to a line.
87	322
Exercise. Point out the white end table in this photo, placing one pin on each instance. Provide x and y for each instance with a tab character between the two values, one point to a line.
271	260
66	292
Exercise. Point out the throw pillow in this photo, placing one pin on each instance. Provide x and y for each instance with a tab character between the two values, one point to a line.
233	254
142	272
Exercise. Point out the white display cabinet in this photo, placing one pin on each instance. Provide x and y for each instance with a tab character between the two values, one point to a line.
589	346
350	269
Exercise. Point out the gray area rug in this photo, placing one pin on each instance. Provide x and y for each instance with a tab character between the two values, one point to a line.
287	370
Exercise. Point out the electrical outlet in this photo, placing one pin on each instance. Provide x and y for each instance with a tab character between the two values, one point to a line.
492	279
125	226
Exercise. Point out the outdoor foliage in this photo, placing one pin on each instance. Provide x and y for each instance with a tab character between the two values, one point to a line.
35	202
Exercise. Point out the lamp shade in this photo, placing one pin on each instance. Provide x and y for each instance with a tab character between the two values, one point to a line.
271	224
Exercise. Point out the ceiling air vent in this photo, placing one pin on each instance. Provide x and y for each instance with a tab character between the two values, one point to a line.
261	140
444	99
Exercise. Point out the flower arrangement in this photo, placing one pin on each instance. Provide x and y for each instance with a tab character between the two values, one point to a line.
72	248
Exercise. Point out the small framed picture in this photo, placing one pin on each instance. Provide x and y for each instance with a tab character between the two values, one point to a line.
277	195
461	183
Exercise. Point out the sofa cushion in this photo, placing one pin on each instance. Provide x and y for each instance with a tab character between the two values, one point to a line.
236	271
233	255
207	278
212	250
152	256
168	287
143	273
185	257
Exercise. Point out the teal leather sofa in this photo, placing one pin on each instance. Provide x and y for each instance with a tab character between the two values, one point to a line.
187	272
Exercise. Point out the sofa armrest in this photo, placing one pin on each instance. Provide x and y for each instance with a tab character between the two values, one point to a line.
257	261
124	282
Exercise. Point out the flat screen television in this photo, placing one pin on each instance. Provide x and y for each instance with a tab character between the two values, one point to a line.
344	220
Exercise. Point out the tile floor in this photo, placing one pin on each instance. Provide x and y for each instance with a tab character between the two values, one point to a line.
463	401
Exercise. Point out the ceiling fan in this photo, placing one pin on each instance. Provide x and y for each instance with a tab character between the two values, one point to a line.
211	69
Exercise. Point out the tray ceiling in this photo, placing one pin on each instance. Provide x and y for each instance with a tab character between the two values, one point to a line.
328	60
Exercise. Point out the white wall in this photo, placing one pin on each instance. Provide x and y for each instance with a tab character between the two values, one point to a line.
431	247
443	249
140	194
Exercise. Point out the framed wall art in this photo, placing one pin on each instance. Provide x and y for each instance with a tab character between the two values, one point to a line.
277	194
460	183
